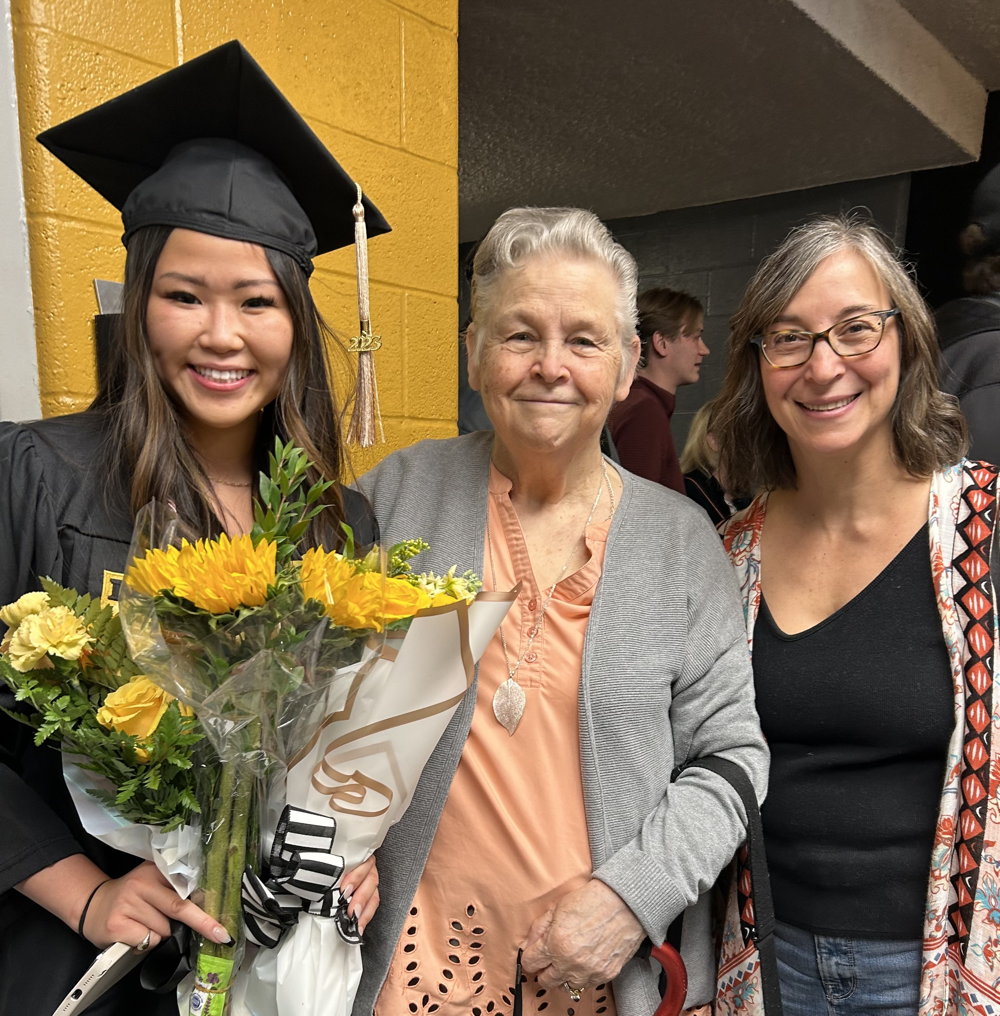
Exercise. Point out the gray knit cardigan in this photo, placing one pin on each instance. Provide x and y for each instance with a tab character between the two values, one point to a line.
665	679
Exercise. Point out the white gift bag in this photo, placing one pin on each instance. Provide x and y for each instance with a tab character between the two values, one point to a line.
373	739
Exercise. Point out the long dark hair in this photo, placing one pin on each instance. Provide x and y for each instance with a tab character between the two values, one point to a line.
147	453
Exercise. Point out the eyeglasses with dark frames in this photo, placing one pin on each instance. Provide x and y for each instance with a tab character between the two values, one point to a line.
850	337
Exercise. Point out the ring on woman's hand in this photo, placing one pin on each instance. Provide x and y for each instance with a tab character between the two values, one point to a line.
574	993
144	944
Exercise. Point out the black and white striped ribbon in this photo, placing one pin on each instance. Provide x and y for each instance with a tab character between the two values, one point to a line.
303	873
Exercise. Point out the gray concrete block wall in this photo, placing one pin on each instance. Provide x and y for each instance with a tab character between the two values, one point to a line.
712	251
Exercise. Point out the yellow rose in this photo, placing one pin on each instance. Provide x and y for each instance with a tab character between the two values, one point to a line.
136	708
30	603
403	599
357	602
55	631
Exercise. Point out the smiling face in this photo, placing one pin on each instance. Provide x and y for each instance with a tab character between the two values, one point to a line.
219	329
548	357
832	405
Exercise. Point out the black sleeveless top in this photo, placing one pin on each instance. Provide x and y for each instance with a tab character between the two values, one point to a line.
858	712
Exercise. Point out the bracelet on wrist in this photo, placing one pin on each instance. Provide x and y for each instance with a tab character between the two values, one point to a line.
86	907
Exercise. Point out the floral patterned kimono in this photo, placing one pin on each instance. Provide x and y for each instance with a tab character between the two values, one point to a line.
961	954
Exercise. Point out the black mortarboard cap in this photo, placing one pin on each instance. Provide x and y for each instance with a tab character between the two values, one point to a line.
213	146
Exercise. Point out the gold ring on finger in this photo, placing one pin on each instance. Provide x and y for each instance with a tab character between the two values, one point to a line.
574	993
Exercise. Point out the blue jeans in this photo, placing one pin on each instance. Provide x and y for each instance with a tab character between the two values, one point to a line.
827	975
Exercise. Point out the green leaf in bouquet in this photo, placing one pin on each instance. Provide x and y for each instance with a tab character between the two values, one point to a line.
189	801
127	791
267	490
60	596
284	509
349	548
45	731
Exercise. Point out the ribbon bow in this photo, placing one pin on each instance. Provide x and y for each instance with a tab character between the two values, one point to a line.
303	875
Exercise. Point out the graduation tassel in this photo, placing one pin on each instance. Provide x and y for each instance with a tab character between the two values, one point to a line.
365	427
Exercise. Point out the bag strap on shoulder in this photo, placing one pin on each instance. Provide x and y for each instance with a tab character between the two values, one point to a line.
763	904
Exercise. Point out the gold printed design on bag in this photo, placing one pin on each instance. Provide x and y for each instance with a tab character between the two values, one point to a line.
347	791
349	797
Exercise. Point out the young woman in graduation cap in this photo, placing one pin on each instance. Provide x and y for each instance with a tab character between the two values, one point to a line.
226	196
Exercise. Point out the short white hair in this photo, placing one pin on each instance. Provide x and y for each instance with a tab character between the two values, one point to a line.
522	233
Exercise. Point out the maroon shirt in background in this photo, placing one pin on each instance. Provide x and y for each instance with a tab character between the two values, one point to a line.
640	429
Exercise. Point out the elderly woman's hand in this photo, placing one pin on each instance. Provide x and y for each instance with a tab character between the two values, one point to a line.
583	940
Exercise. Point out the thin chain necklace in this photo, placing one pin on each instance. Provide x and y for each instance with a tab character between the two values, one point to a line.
231	483
509	699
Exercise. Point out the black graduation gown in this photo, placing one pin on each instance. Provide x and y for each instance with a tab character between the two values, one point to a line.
58	520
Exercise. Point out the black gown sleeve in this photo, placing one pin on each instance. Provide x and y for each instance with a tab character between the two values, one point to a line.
360	517
51	523
29	542
33	837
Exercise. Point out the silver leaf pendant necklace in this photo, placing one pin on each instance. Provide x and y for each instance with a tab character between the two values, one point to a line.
508	699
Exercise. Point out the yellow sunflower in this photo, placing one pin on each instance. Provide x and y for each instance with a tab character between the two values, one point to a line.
216	575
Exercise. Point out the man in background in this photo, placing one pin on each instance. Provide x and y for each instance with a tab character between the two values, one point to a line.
969	328
670	330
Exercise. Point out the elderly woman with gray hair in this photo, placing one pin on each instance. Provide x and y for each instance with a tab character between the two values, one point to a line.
547	821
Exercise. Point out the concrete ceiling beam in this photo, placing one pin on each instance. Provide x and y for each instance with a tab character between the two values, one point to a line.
895	47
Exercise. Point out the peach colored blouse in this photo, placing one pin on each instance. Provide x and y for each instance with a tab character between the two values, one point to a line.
513	834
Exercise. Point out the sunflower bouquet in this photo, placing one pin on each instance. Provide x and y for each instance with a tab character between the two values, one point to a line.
270	649
252	718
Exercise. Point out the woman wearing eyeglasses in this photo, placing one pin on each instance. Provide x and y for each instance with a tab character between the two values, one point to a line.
871	613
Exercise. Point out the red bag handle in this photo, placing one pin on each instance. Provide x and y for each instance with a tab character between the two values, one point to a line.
677	982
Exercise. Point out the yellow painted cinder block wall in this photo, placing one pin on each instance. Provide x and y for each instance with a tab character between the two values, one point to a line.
376	80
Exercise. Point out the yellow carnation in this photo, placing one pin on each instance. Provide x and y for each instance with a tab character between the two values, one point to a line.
136	708
30	603
55	631
216	575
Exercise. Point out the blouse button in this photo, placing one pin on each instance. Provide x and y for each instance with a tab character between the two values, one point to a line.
532	604
531	657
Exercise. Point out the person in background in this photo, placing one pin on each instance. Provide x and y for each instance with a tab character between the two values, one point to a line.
546	819
220	350
868	568
671	324
969	328
700	466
